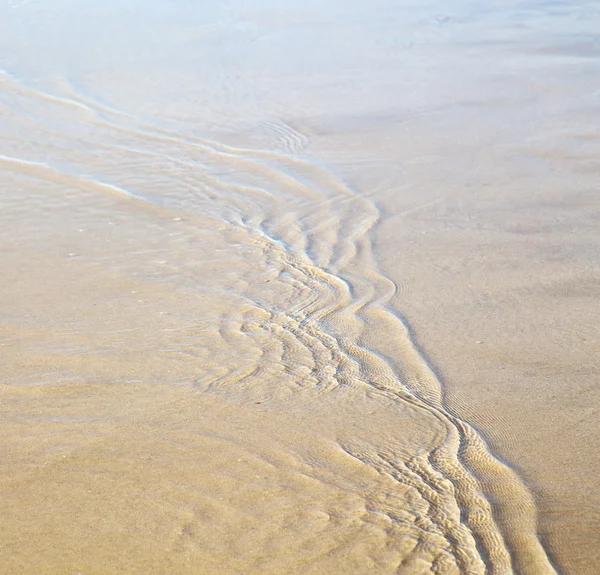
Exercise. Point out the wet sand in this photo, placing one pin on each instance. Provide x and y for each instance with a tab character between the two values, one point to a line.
299	290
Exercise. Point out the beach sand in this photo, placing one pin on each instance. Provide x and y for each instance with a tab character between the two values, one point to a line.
299	289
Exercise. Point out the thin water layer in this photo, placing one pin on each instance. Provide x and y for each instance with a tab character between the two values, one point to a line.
206	369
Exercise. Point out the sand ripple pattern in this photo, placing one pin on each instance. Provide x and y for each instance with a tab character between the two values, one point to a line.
317	323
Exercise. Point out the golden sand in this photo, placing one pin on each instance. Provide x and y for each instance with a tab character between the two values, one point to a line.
298	290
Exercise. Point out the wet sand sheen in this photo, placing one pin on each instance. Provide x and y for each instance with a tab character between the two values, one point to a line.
298	326
206	372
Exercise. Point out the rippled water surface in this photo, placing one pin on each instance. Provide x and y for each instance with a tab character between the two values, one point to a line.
299	288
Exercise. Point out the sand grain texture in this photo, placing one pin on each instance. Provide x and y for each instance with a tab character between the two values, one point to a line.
271	306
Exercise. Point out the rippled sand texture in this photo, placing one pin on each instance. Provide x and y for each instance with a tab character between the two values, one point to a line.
282	309
205	370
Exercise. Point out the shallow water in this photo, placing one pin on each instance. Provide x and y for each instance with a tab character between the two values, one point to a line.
242	243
